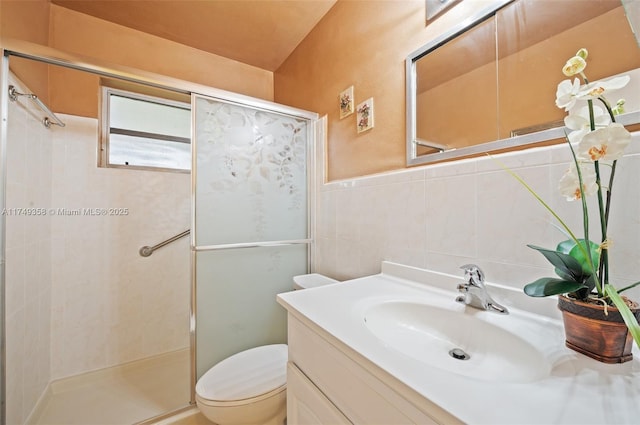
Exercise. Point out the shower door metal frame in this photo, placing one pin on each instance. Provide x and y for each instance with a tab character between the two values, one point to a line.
312	131
47	55
4	121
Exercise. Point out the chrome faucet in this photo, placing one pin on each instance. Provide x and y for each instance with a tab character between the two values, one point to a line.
474	292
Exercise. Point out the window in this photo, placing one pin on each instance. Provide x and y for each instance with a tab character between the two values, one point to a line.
145	132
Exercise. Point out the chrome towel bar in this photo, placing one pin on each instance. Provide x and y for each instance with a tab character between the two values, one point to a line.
146	251
432	145
47	120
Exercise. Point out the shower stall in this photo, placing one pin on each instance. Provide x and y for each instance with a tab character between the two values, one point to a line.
94	326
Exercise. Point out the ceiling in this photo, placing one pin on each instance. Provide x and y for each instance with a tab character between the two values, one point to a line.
262	33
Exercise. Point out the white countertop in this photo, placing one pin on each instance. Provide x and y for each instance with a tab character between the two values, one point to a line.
577	390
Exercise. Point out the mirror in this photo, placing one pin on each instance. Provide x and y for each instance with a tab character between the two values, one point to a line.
489	84
632	9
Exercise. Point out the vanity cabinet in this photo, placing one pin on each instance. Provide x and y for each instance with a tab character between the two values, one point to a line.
327	386
306	405
347	366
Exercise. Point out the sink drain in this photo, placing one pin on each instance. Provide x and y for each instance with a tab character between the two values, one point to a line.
459	354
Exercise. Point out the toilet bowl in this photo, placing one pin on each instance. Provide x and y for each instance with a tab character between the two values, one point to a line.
246	388
249	387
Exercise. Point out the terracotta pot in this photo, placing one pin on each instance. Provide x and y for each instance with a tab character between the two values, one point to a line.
590	332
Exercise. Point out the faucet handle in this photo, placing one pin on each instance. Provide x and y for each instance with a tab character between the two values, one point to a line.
473	274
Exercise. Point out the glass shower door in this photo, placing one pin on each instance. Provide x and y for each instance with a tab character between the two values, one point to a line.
251	226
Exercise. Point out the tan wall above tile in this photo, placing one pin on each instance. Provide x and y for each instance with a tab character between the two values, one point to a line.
70	92
364	44
85	35
28	21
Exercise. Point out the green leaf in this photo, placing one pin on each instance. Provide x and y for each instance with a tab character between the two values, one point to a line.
571	248
589	284
547	286
633	285
567	267
566	246
628	317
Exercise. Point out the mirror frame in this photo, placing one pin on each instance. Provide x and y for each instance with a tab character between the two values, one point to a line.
433	8
510	143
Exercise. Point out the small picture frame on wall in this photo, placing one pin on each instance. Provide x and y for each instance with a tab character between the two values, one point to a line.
365	115
346	102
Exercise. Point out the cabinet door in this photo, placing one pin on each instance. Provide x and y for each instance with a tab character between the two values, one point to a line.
306	405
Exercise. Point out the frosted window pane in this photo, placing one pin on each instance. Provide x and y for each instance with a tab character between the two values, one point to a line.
252	177
150	117
139	151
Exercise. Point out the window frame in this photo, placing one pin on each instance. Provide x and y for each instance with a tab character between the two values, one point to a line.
105	128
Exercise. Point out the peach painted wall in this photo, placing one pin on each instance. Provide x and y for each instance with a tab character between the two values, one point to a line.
364	44
29	21
77	33
69	92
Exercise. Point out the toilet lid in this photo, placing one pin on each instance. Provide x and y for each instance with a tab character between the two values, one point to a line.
247	374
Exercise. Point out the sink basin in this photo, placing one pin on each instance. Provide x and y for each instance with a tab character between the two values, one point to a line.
483	350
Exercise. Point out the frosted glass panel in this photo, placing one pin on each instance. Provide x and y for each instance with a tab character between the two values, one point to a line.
236	299
251	181
250	186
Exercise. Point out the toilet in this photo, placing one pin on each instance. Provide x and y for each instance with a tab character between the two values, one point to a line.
250	387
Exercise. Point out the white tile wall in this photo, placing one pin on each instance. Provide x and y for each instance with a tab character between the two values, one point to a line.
78	295
109	304
28	258
470	211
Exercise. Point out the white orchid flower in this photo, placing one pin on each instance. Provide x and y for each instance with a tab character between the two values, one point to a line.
583	53
599	88
580	119
580	122
619	108
576	136
566	93
574	66
570	182
607	143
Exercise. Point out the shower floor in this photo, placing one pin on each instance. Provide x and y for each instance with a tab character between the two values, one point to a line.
120	395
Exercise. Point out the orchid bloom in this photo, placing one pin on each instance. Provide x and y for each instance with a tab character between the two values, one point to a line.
619	108
566	94
583	53
570	182
597	89
607	143
580	119
574	66
580	122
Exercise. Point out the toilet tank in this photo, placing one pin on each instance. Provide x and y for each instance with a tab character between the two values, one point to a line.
306	281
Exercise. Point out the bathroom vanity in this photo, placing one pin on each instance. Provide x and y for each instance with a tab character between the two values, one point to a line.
376	350
327	386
